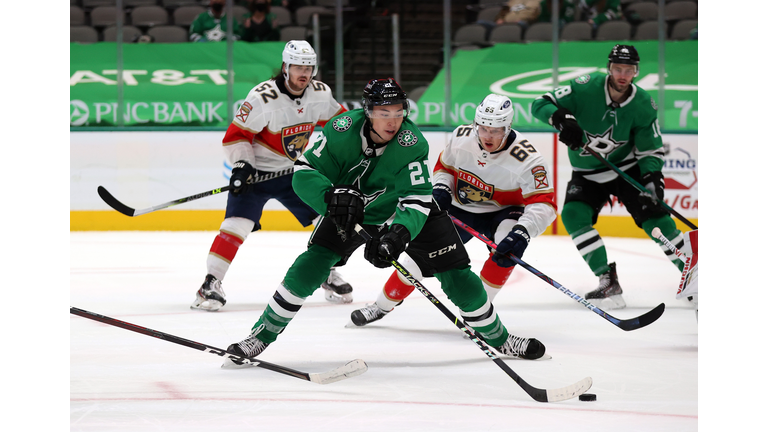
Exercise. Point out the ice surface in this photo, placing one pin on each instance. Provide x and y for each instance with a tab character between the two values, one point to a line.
423	375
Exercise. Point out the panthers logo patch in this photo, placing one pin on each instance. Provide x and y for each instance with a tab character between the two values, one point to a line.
471	189
342	124
294	139
583	79
406	138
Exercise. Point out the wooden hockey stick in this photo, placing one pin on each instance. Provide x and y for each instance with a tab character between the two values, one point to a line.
351	369
624	324
539	395
638	186
128	211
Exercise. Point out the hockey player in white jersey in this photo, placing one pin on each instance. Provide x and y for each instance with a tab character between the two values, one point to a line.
494	180
269	132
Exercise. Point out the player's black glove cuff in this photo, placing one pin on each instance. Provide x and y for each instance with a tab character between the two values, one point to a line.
442	195
238	181
654	182
570	132
346	208
381	251
514	243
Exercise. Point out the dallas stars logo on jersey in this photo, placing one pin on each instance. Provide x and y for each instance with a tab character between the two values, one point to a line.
602	143
342	124
406	138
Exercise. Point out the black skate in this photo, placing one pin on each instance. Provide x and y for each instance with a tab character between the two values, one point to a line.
609	291
336	289
210	297
524	348
249	347
367	315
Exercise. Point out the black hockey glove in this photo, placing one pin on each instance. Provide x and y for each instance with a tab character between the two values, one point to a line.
654	182
238	181
442	195
346	208
570	132
381	251
515	243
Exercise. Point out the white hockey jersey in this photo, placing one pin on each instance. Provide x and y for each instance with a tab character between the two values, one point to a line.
271	129
482	182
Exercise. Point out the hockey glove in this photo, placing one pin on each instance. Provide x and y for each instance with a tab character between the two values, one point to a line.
570	132
442	195
381	251
515	243
654	182
346	208
238	181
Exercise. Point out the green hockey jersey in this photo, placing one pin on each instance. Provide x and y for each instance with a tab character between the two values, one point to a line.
395	178
625	134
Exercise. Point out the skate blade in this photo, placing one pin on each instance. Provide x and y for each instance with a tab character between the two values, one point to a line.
609	303
336	298
207	305
229	364
352	325
544	357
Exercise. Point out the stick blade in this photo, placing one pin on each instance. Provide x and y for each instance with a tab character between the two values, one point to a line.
114	203
349	370
643	320
570	392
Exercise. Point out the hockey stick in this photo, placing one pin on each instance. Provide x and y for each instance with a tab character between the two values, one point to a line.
128	211
637	185
656	232
624	324
539	395
351	369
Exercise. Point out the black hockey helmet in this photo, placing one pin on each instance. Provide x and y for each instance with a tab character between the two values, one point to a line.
383	91
624	54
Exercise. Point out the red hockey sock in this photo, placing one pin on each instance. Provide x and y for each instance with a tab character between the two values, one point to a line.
225	246
493	275
395	289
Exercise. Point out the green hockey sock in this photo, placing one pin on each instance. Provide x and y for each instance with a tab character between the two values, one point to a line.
670	231
466	291
577	218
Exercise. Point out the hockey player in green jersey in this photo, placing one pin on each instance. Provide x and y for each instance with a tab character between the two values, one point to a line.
617	119
370	167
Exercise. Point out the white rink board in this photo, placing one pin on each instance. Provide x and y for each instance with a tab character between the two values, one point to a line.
150	168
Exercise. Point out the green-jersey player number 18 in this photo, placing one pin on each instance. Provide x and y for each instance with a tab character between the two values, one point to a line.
618	120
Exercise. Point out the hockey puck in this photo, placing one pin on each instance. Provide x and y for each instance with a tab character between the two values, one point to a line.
588	397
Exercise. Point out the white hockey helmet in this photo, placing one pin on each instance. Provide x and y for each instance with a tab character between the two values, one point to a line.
495	111
299	52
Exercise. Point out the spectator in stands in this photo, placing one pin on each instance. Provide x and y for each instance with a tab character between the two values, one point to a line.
567	11
211	25
600	11
262	24
523	12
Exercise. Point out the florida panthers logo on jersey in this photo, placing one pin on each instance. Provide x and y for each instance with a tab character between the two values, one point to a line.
471	189
295	138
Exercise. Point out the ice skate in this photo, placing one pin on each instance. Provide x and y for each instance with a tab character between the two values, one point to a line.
249	347
337	290
524	348
609	291
367	315
210	297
